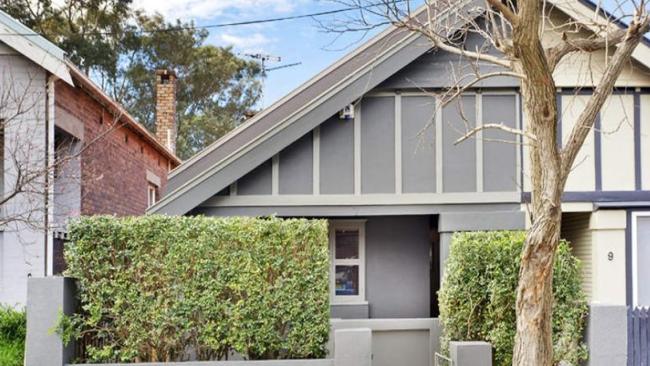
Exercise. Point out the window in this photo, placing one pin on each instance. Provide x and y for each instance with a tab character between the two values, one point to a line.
347	261
152	194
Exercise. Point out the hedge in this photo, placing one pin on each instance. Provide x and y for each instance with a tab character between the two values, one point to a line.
158	288
13	329
477	298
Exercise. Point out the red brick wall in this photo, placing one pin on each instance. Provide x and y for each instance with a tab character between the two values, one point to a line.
115	162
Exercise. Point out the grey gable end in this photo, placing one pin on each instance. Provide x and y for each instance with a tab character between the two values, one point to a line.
291	118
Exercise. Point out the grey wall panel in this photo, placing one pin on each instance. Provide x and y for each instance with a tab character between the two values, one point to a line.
257	181
397	266
378	145
296	167
349	311
336	156
436	69
499	148
458	160
418	145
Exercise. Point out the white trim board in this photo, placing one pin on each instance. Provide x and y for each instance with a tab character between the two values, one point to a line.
635	274
366	199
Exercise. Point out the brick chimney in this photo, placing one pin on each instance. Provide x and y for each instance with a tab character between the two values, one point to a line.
166	108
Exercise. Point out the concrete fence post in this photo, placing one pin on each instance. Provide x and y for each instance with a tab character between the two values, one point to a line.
607	335
46	299
353	347
470	353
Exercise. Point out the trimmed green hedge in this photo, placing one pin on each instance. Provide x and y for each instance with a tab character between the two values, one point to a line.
477	299
13	328
154	288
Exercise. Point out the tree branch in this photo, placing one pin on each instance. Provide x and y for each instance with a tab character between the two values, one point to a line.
635	32
505	10
494	126
556	53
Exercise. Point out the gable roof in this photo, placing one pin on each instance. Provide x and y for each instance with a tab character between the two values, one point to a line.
266	134
33	46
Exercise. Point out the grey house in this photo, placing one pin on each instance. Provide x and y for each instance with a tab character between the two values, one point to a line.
363	145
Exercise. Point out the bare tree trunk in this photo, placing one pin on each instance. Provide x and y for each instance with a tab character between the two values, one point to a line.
533	342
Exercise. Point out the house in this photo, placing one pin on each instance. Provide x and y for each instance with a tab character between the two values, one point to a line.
363	145
68	149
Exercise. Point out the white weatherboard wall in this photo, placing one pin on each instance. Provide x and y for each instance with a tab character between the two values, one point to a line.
583	172
575	229
617	143
22	248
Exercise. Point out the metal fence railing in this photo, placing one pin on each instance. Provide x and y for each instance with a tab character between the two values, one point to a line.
638	336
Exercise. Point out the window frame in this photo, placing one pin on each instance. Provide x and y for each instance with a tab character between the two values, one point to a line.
152	188
635	275
359	225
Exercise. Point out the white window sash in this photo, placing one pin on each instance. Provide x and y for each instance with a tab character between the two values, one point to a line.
358	225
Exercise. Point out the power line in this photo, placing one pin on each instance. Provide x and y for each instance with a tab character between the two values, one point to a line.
234	24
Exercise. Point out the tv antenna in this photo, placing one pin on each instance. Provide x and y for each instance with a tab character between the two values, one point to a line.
264	58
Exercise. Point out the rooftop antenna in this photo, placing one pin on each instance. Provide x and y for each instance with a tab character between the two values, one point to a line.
264	58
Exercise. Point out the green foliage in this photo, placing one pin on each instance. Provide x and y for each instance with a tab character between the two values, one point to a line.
13	329
477	299
154	287
120	47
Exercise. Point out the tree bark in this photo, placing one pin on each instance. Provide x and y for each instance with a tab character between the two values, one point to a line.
533	340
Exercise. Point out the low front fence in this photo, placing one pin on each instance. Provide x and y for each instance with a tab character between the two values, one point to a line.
399	341
363	342
638	336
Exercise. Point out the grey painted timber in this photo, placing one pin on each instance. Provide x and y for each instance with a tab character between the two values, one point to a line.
499	147
258	181
358	210
296	167
418	145
378	145
441	69
459	160
337	156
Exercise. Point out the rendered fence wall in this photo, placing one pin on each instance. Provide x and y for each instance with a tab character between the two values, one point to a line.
410	342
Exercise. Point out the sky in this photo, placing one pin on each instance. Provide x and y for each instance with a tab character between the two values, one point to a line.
293	41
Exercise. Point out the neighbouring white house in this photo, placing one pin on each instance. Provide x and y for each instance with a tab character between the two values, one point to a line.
66	149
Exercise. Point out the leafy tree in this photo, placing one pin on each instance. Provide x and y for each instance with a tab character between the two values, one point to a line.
120	47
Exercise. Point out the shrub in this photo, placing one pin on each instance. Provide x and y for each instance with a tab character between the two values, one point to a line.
155	288
12	336
477	298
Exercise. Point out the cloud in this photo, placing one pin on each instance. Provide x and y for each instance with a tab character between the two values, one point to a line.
249	43
208	9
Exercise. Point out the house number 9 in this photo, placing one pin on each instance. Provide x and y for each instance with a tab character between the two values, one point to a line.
610	256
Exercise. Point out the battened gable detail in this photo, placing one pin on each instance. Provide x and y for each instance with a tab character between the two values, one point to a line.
399	149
